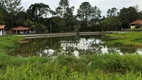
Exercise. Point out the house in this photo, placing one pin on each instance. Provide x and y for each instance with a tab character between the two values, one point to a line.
20	30
2	30
136	24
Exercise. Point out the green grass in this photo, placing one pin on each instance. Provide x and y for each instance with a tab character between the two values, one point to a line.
87	67
7	43
131	39
102	67
135	29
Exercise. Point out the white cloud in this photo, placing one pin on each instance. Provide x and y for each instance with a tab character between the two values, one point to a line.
104	5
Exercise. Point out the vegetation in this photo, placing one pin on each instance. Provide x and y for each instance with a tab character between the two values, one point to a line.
102	67
7	43
86	67
133	39
42	19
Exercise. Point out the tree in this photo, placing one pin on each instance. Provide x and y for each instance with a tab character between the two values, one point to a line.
21	17
38	27
128	14
96	13
112	23
12	7
83	13
140	15
2	4
62	9
66	21
37	11
112	12
3	14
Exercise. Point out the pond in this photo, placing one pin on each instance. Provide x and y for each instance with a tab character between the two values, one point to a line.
76	46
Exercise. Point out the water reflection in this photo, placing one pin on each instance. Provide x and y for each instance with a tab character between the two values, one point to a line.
139	51
70	46
82	44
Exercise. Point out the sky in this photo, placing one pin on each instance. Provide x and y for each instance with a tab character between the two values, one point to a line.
104	5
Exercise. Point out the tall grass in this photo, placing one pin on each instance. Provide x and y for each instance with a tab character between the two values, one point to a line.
133	39
93	67
7	43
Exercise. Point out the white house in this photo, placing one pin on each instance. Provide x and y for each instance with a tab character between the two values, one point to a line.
2	31
136	24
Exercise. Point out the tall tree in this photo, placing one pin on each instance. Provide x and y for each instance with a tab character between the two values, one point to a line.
112	12
96	13
38	10
62	9
3	15
128	14
21	17
2	4
65	12
140	15
12	7
84	13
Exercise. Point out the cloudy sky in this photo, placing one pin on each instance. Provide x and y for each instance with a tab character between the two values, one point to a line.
104	5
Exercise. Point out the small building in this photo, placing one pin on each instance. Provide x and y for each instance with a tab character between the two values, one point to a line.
136	24
20	30
2	30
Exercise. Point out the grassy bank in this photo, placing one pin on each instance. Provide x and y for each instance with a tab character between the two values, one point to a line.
87	67
8	43
131	39
96	67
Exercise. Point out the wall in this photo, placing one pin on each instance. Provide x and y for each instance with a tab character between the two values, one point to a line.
0	32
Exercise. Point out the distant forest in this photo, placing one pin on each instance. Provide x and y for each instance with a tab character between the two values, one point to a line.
88	17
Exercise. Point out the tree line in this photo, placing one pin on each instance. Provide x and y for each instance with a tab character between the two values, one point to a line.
88	17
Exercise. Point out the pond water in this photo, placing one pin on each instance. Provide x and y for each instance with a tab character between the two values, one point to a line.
70	46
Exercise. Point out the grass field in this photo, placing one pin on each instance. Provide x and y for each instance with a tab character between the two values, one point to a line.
87	67
133	39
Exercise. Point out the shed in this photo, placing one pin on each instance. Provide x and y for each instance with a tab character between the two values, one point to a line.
2	30
20	30
136	24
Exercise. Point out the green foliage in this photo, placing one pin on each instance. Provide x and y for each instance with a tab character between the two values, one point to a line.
62	10
128	14
36	17
3	14
84	11
86	67
108	67
8	42
86	14
112	12
125	39
65	21
12	6
112	24
96	13
37	11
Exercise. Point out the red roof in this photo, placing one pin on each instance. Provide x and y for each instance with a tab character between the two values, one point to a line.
2	26
137	22
20	28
